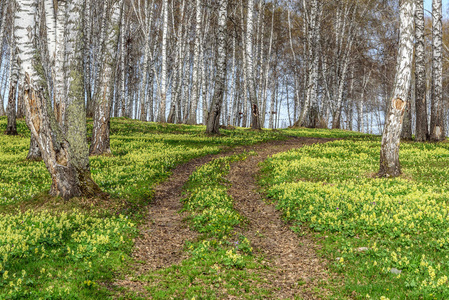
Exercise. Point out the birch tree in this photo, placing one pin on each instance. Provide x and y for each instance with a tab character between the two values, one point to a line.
255	115
389	153
65	155
14	69
196	65
100	132
213	120
437	132
422	130
163	86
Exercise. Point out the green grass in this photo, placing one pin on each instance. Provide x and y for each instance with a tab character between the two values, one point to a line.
52	249
403	222
221	262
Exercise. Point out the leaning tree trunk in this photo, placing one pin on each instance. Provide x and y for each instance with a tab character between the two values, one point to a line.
437	114
389	153
422	130
100	132
213	119
62	154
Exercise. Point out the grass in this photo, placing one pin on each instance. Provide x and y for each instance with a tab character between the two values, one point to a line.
221	262
51	249
368	226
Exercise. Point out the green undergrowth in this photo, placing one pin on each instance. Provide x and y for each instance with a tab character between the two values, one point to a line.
64	256
143	155
388	237
221	263
53	249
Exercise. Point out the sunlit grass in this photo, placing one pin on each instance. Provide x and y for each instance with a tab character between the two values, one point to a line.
402	222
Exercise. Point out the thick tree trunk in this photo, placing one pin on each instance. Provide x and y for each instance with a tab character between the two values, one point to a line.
422	129
437	130
313	26
406	133
389	153
61	154
213	120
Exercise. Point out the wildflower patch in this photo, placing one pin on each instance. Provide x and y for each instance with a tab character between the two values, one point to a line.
401	224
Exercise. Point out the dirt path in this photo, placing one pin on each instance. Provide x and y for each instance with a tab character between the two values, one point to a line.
163	236
295	267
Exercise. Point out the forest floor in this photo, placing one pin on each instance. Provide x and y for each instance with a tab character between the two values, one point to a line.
292	268
244	215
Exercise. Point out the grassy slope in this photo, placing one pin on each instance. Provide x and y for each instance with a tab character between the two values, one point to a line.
402	222
54	249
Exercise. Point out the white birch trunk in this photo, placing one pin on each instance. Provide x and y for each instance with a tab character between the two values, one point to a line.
213	120
422	129
389	154
196	65
62	155
163	88
100	132
59	52
255	117
437	130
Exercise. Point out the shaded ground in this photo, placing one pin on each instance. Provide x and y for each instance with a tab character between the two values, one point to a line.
293	267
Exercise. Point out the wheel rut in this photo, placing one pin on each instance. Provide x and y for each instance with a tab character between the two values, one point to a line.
294	267
292	261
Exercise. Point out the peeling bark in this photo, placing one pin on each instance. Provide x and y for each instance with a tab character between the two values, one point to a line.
65	156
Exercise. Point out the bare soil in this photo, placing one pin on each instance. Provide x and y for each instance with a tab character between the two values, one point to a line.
293	266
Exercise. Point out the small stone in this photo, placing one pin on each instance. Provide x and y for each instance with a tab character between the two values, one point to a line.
362	249
395	271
